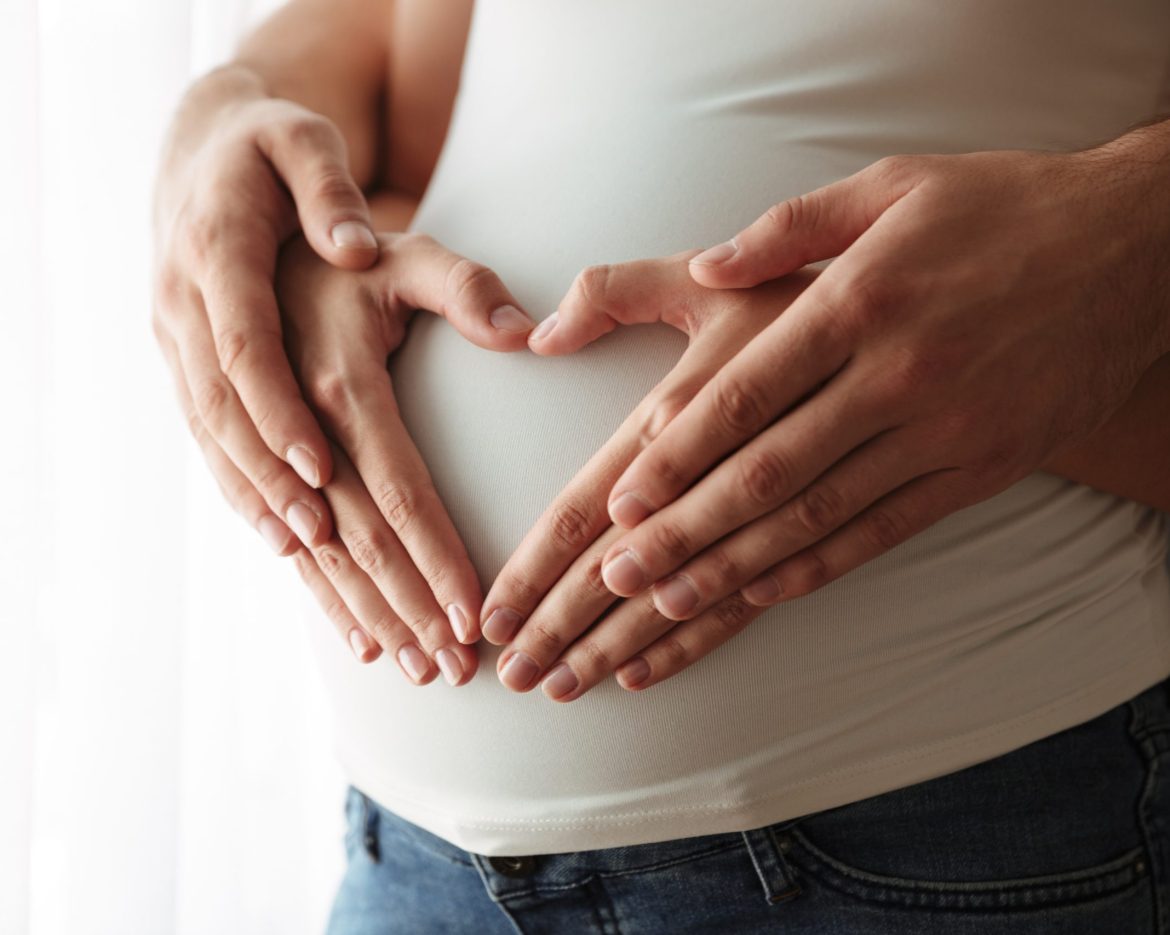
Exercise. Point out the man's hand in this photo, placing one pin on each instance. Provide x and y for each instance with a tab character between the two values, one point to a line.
551	587
397	569
238	170
986	312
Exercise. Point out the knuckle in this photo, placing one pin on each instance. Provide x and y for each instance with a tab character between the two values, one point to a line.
211	400
594	583
674	654
203	233
570	525
593	285
469	279
731	615
596	660
307	130
669	541
884	527
723	568
661	414
398	503
230	346
666	472
766	476
271	476
368	548
336	611
382	627
304	565
521	592
739	405
895	169
195	425
545	642
818	510
331	392
329	560
807	573
334	184
912	369
873	298
794	214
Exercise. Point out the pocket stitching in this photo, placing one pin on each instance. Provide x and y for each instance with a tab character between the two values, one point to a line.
1103	879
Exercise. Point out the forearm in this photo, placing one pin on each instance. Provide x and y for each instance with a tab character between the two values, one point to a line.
329	57
1130	454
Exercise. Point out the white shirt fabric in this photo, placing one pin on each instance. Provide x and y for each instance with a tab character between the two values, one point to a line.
591	131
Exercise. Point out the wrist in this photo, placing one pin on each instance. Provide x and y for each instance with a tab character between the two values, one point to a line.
1133	172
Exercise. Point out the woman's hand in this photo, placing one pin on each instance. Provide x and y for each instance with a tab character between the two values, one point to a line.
396	570
986	312
551	587
237	170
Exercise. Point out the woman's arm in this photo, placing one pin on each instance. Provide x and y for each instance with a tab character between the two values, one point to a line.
1130	454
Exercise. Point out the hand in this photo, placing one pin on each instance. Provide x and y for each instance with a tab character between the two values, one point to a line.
551	587
222	209
986	312
397	570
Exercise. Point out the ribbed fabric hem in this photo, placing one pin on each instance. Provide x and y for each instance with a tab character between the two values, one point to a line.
495	836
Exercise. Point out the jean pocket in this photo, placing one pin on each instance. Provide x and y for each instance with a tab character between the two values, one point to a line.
1055	821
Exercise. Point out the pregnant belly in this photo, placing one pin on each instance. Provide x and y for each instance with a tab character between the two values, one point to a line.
503	433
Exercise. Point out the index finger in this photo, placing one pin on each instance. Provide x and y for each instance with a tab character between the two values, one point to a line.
799	350
237	285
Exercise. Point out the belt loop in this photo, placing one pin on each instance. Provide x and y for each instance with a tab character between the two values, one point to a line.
369	825
775	873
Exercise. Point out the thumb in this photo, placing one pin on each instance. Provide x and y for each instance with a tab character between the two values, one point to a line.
309	154
811	227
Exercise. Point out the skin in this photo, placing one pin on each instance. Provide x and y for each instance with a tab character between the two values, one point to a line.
378	99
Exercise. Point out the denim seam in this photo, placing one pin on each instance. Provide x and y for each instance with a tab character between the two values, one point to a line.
1151	744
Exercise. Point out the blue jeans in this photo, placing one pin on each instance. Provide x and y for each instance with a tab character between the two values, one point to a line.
1068	835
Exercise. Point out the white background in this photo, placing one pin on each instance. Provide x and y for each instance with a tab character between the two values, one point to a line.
165	762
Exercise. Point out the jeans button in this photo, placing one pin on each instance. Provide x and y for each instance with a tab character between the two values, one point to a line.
513	866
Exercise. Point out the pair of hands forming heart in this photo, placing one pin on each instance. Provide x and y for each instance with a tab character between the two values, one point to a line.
394	574
986	315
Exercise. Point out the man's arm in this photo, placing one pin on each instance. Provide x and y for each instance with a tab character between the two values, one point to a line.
1130	454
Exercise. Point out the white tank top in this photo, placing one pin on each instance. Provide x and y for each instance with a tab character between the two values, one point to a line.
591	131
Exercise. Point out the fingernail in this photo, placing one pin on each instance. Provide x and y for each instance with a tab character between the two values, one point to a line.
304	464
560	681
762	591
676	597
449	665
411	658
629	509
350	235
519	672
274	532
458	622
720	253
501	626
303	521
510	318
360	643
623	574
543	329
633	673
